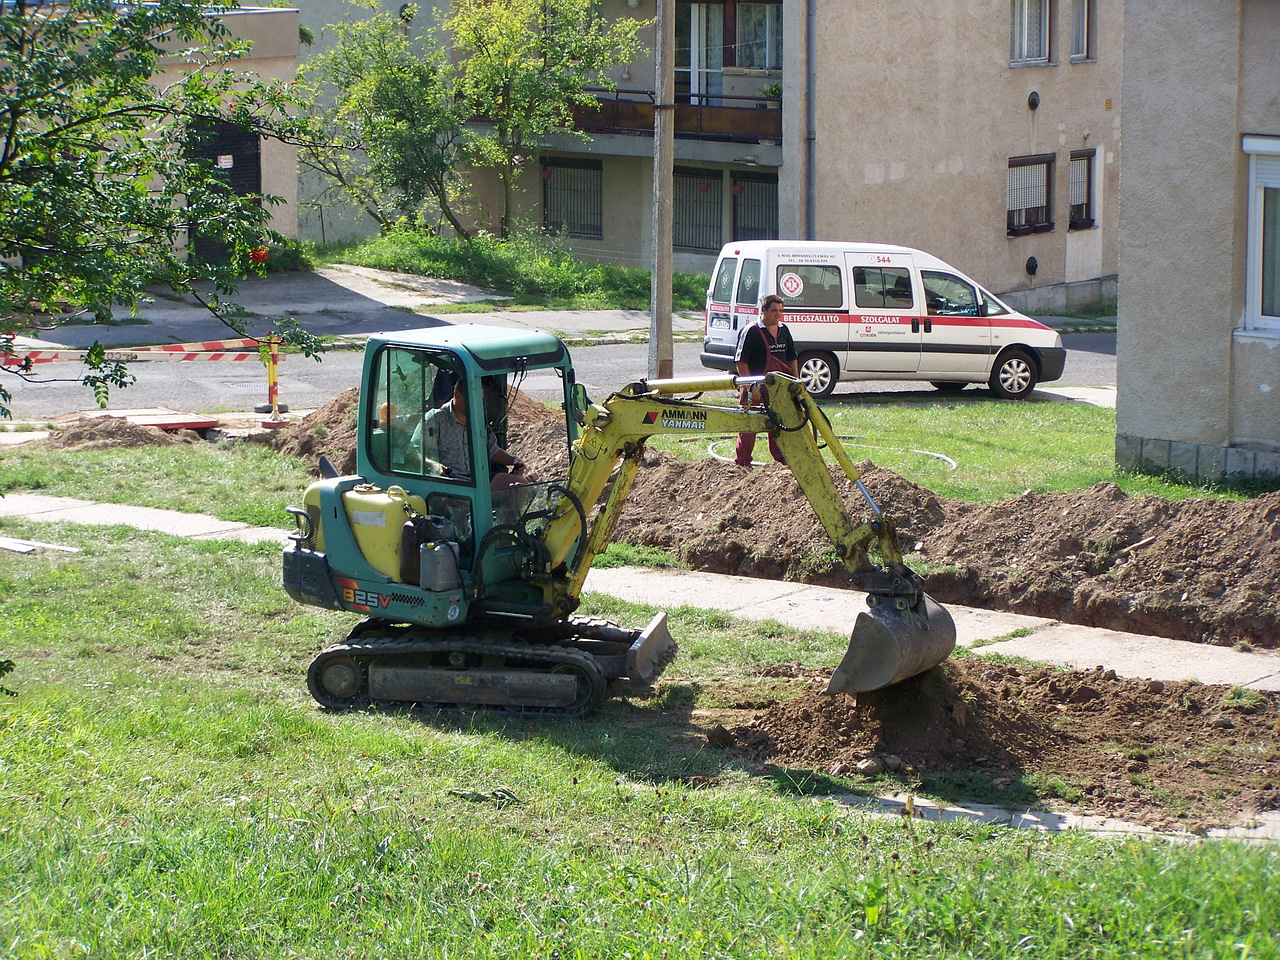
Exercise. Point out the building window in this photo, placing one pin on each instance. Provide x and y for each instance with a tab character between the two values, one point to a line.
572	193
1030	210
1080	190
1262	267
1082	31
759	35
699	210
755	205
1030	35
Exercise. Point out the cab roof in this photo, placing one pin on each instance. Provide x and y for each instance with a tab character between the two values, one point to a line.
489	346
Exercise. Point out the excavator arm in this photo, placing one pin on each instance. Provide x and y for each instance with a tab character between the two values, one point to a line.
903	632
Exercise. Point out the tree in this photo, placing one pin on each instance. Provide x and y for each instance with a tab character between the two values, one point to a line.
524	65
385	128
101	104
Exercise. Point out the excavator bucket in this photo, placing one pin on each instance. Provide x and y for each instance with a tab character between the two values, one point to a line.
891	642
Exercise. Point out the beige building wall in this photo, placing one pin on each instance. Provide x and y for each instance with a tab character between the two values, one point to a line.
274	56
913	111
1197	391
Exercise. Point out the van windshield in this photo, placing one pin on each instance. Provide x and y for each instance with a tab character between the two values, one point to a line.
809	285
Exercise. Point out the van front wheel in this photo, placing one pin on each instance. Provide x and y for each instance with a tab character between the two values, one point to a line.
819	372
1014	376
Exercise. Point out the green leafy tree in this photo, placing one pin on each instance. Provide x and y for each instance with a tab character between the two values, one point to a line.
523	66
385	128
102	105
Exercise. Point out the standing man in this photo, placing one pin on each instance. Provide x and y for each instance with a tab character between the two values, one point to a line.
764	347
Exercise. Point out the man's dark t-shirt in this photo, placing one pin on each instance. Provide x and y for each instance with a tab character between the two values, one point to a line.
756	345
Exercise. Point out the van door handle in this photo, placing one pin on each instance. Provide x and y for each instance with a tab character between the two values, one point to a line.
915	324
928	326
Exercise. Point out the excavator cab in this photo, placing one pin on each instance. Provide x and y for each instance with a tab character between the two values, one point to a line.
434	406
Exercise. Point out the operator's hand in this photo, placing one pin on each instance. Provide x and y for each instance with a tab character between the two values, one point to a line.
524	473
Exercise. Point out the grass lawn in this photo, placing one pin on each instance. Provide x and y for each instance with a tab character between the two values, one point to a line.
534	270
169	789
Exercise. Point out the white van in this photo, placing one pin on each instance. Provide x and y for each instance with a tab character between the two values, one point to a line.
870	311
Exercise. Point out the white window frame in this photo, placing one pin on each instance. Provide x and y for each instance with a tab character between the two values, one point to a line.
1023	12
1264	174
1082	14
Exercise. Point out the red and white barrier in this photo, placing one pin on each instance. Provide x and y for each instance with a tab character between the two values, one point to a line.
243	348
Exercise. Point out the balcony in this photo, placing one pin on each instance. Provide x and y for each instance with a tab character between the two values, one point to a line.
733	119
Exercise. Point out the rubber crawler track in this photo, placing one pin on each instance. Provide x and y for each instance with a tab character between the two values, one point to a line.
371	644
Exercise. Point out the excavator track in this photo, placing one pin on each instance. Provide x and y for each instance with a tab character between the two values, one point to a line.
412	666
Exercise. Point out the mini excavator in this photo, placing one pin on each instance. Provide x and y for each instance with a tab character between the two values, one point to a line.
467	587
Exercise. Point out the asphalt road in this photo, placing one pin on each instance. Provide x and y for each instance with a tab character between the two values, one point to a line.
221	387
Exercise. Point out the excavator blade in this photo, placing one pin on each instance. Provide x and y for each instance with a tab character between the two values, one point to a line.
651	648
890	644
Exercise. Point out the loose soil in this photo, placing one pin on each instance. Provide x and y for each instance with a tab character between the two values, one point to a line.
107	433
1168	755
1202	570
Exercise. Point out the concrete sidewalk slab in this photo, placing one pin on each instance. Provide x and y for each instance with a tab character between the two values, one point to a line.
795	604
1262	827
70	510
826	608
1156	658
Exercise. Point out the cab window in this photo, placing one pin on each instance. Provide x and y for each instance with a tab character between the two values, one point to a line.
749	283
809	285
409	388
883	287
946	295
722	289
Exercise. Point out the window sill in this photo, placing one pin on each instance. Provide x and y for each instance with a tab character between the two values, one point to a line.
1015	64
1084	59
1029	229
1086	224
1259	332
774	72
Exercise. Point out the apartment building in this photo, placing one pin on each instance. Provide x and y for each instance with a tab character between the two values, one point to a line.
1198	347
984	131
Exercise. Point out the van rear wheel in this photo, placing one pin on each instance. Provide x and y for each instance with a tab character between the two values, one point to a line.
819	372
1014	376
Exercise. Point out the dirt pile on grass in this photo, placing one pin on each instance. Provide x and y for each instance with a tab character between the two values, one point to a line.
329	432
109	433
1170	755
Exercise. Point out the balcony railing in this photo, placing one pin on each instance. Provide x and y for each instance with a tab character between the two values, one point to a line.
698	116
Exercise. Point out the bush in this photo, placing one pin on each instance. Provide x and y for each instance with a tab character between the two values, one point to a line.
531	266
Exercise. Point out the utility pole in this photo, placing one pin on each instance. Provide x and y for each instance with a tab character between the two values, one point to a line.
661	363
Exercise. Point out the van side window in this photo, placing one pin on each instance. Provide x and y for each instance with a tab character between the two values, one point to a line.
880	287
722	289
948	296
749	283
807	285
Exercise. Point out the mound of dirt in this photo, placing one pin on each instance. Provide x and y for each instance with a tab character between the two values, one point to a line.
108	433
1178	755
329	432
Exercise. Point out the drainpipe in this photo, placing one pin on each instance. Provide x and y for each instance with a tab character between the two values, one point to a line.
810	121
